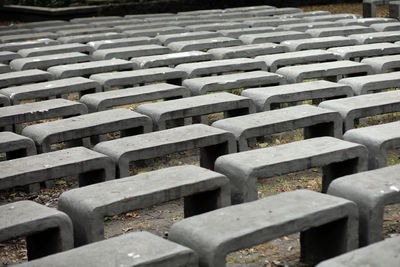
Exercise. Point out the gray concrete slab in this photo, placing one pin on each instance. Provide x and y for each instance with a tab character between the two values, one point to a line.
199	69
267	98
236	33
66	26
306	14
131	249
15	46
303	26
24	77
47	231
370	21
365	50
315	121
318	43
216	26
371	191
122	42
85	38
383	64
331	70
186	36
30	25
96	18
251	50
171	60
130	52
106	100
275	11
332	17
215	234
336	157
153	32
87	206
212	142
112	23
273	37
203	44
386	27
376	37
27	37
16	146
271	21
341	31
7	56
362	106
139	77
55	49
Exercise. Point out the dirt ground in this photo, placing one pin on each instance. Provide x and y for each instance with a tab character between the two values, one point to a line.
284	251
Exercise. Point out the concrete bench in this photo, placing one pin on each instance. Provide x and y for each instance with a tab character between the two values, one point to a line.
170	60
373	83
93	19
11	117
271	21
243	51
143	26
121	42
365	50
203	85
55	49
371	191
356	107
275	11
315	121
216	26
376	37
341	31
383	253
166	39
13	31
196	107
92	125
154	31
86	30
15	46
203	44
370	21
139	77
236	33
131	249
45	62
47	231
212	142
318	43
7	56
27	37
130	52
329	70
16	146
200	69
336	157
267	98
385	27
303	26
23	77
276	61
273	37
383	64
88	68
4	101
67	26
52	89
203	190
113	23
106	100
86	38
306	14
379	139
331	17
318	217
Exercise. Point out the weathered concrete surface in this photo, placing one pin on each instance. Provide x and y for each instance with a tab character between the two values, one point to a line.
22	77
365	50
55	49
130	52
383	64
318	43
273	37
376	37
172	59
373	83
16	146
243	51
203	44
114	43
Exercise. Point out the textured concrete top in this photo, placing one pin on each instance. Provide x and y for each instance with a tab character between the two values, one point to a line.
318	42
244	51
114	43
366	50
274	37
15	46
25	76
129	52
55	49
378	133
376	37
169	38
366	84
235	33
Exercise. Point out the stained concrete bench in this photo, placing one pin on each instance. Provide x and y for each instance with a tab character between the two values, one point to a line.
273	37
55	49
47	231
106	100
113	23
166	39
383	64
203	190
92	167
371	191
267	98
130	41
199	69
24	77
68	26
353	108
370	21
15	46
4	101
93	19
85	38
318	217
303	26
306	14
336	157
275	11
379	139
7	56
52	89
318	43
203	85
216	26
196	107
373	83
139	77
88	68
276	61
203	44
86	30
271	21
341	31
170	60
16	146
27	37
376	37
385	27
330	70
13	116
381	254
236	33
315	121
154	31
212	142
92	125
366	50
130	52
131	249
251	51
331	17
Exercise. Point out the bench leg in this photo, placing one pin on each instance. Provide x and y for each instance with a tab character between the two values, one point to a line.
338	169
209	154
206	201
92	177
16	154
44	243
369	10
